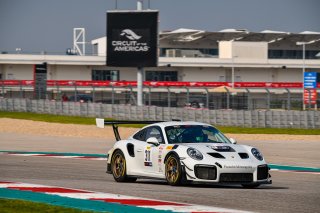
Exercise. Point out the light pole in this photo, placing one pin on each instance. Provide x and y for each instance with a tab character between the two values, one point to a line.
140	69
232	59
303	69
233	71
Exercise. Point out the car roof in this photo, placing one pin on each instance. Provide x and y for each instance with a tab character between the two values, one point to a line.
178	123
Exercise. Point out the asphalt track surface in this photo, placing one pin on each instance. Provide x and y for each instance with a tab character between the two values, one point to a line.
290	191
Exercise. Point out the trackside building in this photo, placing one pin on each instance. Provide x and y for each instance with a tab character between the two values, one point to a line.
246	65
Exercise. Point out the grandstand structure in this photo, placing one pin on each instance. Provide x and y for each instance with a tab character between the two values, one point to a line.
231	68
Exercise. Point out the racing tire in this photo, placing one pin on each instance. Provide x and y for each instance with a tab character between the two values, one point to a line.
251	186
119	168
174	172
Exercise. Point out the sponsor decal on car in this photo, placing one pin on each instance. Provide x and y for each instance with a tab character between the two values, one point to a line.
169	147
148	164
147	156
237	167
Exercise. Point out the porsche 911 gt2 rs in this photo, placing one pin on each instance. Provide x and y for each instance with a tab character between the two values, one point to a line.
183	152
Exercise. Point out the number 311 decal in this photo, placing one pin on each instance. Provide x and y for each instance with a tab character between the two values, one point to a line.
147	157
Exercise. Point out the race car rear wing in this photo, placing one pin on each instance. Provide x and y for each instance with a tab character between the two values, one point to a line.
100	122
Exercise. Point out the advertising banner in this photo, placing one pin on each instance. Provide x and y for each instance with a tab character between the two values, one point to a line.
310	96
132	38
310	80
310	88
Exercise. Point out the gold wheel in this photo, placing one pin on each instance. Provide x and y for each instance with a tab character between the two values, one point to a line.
173	170
119	166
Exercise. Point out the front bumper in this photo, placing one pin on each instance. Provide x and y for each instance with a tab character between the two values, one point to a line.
228	173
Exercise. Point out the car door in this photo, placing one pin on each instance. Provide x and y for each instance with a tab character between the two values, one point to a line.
152	152
147	157
139	146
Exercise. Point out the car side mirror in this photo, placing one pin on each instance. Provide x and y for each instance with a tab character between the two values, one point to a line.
153	141
233	141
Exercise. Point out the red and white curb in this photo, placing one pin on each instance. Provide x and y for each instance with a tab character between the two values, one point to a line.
115	198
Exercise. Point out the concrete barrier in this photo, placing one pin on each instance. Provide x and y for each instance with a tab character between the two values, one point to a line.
242	118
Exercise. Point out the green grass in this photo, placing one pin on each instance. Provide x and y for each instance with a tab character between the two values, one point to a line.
243	130
91	121
20	206
48	118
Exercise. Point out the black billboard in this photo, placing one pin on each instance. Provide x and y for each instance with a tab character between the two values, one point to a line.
132	38
40	81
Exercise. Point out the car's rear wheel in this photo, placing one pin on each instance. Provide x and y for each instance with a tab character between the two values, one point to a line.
174	172
250	186
119	168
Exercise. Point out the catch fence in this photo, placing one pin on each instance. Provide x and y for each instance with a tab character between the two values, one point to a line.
198	95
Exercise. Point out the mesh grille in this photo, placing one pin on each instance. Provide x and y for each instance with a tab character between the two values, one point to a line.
205	172
236	177
263	172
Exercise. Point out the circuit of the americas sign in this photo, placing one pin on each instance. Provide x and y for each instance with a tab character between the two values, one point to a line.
132	38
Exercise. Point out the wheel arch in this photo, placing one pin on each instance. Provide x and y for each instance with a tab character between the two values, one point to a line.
168	155
123	148
183	178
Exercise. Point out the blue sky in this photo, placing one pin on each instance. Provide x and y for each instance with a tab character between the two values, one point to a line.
47	25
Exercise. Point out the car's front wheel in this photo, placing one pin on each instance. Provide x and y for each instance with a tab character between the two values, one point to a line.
174	172
119	169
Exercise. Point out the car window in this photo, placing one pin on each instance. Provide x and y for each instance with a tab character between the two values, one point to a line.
194	134
141	135
155	131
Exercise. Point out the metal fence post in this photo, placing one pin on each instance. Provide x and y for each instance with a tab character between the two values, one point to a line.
93	93
228	97
207	97
309	99
75	91
288	99
149	97
249	99
112	95
169	98
20	92
58	92
87	108
2	92
132	96
188	95
268	98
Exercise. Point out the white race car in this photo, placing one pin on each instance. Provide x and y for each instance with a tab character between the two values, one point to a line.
182	152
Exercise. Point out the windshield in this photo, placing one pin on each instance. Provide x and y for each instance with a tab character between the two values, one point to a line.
194	134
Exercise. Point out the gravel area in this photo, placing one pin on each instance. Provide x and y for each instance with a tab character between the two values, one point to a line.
73	130
25	135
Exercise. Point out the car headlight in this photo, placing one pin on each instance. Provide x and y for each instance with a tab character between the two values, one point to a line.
195	154
257	154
